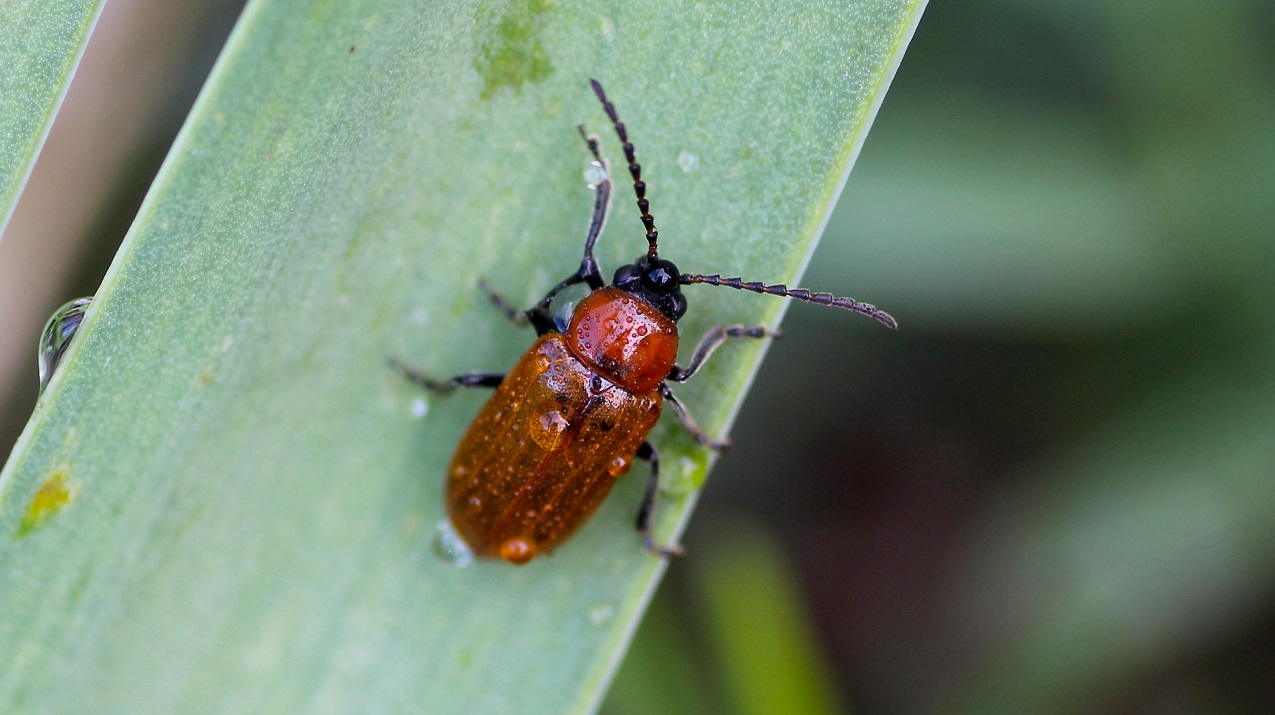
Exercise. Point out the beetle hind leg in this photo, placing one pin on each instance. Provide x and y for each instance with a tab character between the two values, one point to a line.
442	387
690	425
651	456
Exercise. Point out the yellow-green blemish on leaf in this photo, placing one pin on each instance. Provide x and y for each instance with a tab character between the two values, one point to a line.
53	494
510	51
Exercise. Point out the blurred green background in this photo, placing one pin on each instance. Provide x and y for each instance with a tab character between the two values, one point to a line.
1053	490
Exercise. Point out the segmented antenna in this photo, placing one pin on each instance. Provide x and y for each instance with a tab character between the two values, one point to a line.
827	299
635	169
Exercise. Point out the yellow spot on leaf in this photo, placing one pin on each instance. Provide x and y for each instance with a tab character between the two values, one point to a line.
54	494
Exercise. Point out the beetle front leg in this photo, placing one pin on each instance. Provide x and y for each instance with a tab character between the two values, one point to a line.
711	340
589	271
466	379
512	314
690	425
651	456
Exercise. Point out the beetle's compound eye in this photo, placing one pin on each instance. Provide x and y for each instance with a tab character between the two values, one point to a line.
660	277
679	306
627	277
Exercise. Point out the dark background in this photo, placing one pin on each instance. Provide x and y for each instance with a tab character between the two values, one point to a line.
1053	489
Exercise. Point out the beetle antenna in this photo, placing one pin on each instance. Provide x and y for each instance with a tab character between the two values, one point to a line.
635	169
827	299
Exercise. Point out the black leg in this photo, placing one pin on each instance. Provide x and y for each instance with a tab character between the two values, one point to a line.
689	424
468	379
541	316
515	316
711	340
648	454
589	271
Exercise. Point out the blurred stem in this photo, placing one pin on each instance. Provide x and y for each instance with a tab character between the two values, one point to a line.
759	625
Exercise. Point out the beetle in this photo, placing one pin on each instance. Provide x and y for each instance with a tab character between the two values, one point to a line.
575	411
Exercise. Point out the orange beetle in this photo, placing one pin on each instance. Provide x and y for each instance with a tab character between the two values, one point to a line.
572	415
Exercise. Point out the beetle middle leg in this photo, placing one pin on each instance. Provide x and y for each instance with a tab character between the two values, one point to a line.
442	387
710	342
651	456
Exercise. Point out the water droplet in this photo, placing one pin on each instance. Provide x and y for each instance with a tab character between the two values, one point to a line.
57	335
680	482
420	408
562	318
542	364
450	547
619	466
518	550
688	161
552	425
601	613
594	174
475	501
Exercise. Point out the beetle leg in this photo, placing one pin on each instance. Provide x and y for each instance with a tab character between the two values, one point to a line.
442	387
651	456
690	425
711	340
589	271
538	316
515	316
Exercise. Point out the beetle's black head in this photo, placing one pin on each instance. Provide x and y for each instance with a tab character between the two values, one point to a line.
655	281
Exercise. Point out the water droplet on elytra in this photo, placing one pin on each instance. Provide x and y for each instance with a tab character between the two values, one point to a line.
450	547
542	363
518	550
552	424
619	466
57	335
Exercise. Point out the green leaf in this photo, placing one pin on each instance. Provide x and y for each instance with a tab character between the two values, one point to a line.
40	46
250	493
